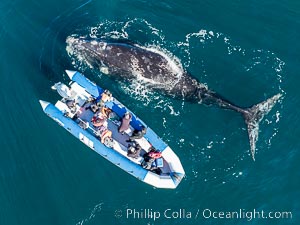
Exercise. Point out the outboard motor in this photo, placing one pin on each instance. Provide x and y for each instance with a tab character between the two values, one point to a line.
63	90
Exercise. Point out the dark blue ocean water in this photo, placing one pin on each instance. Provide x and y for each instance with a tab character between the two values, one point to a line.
245	50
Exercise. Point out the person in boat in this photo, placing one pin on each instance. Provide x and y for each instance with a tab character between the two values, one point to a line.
99	119
137	134
125	123
147	163
71	105
92	104
105	134
105	97
105	111
95	106
149	158
153	153
134	150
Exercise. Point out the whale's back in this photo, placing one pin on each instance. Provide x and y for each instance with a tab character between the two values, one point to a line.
140	62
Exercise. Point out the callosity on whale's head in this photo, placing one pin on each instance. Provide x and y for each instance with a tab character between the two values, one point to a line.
86	50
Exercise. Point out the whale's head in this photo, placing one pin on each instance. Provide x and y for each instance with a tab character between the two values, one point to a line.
86	50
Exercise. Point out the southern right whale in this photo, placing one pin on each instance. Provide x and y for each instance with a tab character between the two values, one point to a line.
128	61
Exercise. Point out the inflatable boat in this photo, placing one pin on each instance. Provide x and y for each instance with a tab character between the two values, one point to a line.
105	125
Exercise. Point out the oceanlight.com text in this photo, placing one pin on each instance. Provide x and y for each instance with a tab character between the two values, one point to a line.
243	214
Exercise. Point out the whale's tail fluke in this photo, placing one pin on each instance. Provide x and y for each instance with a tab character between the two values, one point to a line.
254	115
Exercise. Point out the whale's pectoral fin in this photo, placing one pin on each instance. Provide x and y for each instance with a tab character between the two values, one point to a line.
254	115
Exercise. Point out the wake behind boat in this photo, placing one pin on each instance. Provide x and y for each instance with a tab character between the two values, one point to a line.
105	125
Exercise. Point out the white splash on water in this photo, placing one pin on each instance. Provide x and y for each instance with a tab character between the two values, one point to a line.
121	29
204	37
210	145
174	62
164	122
97	208
139	90
173	112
